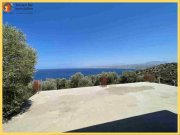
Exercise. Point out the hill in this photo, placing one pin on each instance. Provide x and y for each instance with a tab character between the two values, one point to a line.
142	65
165	73
132	66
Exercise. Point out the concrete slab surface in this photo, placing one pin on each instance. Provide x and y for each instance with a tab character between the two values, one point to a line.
71	109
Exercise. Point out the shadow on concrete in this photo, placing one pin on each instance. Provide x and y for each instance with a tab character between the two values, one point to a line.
24	108
161	121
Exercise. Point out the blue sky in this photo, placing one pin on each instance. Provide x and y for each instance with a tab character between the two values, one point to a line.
68	35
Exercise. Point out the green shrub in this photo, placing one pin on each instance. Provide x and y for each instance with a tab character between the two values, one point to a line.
119	80
123	79
139	78
85	81
128	77
94	79
18	68
68	84
61	83
111	76
49	84
75	79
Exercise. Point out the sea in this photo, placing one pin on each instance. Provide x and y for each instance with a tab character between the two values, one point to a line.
43	74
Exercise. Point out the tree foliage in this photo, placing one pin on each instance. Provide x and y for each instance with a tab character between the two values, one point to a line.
128	77
75	79
49	84
61	83
85	81
18	68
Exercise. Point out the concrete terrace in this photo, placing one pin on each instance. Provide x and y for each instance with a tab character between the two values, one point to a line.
71	109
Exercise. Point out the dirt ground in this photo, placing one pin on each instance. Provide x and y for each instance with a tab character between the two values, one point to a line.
69	109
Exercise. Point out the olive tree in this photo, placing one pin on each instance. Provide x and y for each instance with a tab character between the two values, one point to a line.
85	81
49	84
112	77
61	83
75	79
18	68
128	77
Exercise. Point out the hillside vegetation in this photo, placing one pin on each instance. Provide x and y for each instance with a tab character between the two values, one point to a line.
165	73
